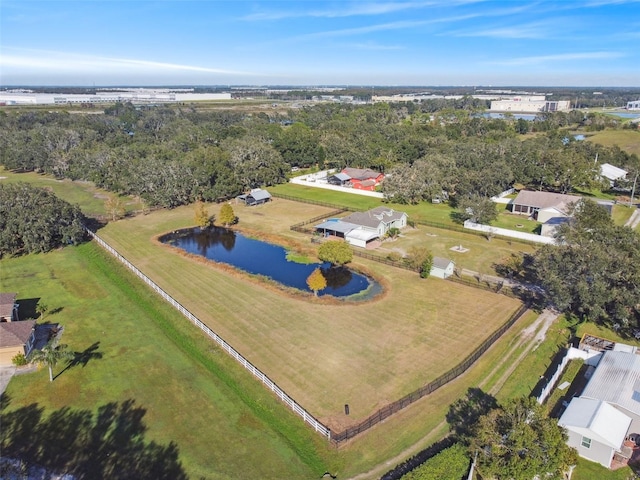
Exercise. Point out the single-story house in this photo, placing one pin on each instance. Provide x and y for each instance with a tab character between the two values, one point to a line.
8	307
379	219
363	178
442	267
612	173
548	228
362	229
595	429
616	380
339	179
16	337
257	196
608	411
542	205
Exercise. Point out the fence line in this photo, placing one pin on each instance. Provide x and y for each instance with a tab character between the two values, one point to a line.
350	432
281	394
445	378
426	223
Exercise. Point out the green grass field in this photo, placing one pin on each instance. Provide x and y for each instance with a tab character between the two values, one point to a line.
86	194
193	393
627	140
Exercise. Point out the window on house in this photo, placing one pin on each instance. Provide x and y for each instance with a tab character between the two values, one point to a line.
586	442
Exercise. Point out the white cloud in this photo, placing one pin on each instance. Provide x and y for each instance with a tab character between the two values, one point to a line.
65	62
358	9
563	57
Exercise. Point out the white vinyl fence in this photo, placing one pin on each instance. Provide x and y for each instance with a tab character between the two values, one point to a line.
306	416
504	232
590	357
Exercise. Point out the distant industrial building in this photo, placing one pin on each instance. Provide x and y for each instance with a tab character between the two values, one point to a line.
532	104
633	105
135	96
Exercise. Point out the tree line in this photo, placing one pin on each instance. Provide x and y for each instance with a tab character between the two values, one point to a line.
174	155
34	220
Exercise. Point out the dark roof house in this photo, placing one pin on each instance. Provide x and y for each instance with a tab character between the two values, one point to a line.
15	338
8	307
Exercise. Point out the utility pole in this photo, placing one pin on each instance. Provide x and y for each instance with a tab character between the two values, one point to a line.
633	189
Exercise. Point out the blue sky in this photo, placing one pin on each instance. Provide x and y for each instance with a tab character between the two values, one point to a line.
405	42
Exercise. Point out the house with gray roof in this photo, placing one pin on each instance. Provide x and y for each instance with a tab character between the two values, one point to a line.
363	229
542	205
16	337
8	307
379	219
608	411
595	429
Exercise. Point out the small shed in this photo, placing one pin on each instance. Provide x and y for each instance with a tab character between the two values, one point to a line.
257	196
442	267
339	179
8	307
16	337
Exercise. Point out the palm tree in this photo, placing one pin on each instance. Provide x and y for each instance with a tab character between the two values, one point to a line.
50	355
42	308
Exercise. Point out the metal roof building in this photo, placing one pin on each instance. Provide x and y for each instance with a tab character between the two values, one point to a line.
616	380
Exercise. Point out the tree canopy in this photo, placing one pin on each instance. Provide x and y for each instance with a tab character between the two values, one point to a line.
517	441
594	271
335	252
173	155
316	281
227	216
34	220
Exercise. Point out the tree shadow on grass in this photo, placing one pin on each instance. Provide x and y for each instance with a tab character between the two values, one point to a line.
107	443
83	358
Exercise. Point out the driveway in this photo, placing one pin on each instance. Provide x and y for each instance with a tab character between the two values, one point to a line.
5	375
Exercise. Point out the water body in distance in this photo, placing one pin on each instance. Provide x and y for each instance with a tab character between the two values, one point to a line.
262	258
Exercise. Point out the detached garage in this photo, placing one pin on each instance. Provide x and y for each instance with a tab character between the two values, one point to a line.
362	238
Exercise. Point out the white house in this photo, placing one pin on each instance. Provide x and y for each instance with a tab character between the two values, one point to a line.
595	429
379	219
364	229
608	411
612	173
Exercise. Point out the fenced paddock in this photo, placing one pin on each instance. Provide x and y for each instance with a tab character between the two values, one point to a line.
322	354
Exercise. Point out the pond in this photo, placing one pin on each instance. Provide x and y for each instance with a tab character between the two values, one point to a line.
262	258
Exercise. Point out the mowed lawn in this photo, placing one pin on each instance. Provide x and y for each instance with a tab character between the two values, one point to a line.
324	354
137	348
627	140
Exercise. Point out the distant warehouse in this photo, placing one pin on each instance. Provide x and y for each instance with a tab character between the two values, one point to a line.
532	104
633	105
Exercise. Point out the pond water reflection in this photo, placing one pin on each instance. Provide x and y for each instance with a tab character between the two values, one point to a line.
262	258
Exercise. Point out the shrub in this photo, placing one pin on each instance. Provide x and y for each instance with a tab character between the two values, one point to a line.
19	360
395	257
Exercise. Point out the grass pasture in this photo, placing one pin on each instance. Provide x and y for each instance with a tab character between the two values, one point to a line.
86	194
137	348
324	354
627	140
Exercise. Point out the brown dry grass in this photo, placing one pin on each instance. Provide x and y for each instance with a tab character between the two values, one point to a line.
324	354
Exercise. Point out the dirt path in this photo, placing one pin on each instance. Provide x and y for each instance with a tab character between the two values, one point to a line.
532	336
634	220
